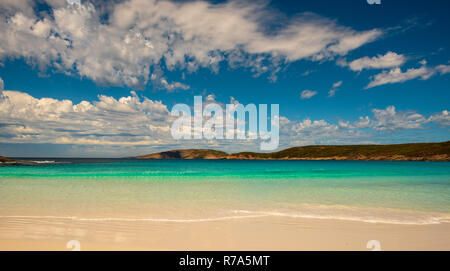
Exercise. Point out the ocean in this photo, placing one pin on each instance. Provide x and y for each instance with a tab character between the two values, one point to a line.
212	190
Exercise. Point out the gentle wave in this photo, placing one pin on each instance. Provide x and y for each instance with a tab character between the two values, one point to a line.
43	162
245	214
417	221
49	162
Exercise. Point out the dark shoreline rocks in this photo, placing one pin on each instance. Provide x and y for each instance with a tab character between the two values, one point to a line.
5	161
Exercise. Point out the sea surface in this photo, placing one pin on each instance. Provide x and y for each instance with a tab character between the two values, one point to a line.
214	190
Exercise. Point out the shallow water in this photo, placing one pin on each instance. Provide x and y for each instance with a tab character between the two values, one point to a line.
204	190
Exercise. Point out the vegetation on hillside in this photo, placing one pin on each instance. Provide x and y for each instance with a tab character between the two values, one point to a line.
412	151
187	154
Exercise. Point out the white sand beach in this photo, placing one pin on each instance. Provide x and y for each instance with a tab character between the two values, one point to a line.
264	233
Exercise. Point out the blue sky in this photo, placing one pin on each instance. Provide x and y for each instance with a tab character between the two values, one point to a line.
368	73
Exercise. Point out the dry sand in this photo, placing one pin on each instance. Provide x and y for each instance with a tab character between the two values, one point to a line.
263	233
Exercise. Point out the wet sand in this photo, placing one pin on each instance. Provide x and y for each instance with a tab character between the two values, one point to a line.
260	233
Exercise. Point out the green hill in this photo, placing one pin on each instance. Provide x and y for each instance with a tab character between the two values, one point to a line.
393	152
412	151
187	154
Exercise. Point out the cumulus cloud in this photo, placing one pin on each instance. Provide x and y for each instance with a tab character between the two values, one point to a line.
308	126
390	119
389	60
442	118
307	94
125	121
142	123
363	130
133	125
9	7
362	122
140	35
396	75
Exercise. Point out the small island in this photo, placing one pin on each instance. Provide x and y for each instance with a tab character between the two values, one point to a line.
391	152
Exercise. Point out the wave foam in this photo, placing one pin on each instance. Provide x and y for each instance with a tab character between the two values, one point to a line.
44	162
428	220
246	214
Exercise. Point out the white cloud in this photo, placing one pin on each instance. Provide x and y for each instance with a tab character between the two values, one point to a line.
141	35
390	119
307	72
173	86
12	6
442	118
362	122
385	124
126	121
135	125
307	94
389	60
443	69
333	90
74	2
2	85
309	125
397	76
337	84
310	132
331	93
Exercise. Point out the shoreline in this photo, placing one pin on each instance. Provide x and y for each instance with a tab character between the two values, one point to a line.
305	159
390	152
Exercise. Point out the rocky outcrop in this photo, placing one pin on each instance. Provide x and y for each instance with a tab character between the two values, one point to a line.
4	161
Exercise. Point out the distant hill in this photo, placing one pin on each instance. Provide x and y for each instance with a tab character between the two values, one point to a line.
394	152
187	154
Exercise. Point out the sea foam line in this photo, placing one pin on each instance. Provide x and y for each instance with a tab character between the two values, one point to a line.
429	221
248	214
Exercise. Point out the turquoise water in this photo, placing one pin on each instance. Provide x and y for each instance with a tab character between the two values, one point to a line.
389	192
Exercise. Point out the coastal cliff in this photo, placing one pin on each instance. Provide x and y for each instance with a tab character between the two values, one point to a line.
393	152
